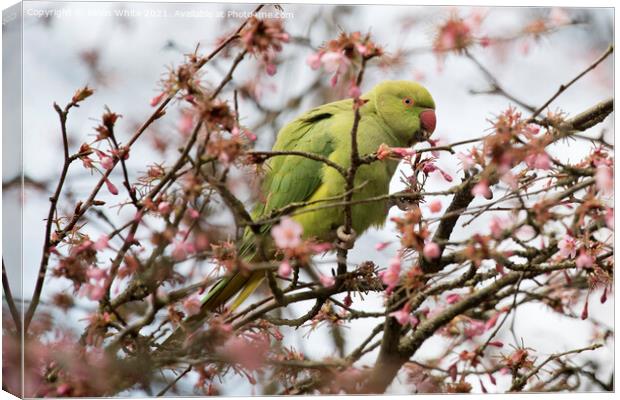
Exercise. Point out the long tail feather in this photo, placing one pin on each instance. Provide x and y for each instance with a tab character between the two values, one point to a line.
255	280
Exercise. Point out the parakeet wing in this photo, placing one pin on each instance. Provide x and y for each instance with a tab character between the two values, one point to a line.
288	179
293	178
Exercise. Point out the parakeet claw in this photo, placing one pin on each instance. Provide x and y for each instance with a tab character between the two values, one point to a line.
345	240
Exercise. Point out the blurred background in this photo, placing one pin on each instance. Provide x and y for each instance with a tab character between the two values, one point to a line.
122	50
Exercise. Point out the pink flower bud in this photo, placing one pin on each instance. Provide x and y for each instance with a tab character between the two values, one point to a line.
179	253
101	243
354	91
609	218
111	188
403	152
164	208
96	273
271	69
107	162
584	260
284	270
604	296
383	151
326	280
584	312
482	189
192	305
435	206
604	177
192	213
431	251
157	99
381	245
453	298
314	60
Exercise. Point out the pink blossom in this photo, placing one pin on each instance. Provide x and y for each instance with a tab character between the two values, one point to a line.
354	91
179	252
201	242
284	270
381	245
251	136
482	189
403	152
164	208
63	390
474	328
383	151
362	49
568	247
532	129
431	251
609	218
193	213
510	179
314	60
485	41
584	260
101	243
107	162
404	317
435	206
335	62
526	232
192	305
445	175
418	75
250	354
467	161
287	234
96	273
500	269
157	99
498	226
391	276
453	298
434	143
558	16
111	188
271	69
524	47
584	312
93	292
320	247
327	280
604	179
538	161
186	123
491	321
604	296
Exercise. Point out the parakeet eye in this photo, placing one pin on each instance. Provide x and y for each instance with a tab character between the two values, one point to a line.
408	101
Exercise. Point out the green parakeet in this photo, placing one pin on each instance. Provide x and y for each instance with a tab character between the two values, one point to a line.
397	113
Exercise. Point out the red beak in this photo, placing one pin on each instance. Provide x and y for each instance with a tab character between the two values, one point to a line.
428	120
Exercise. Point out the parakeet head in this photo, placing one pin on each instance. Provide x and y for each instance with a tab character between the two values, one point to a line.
407	108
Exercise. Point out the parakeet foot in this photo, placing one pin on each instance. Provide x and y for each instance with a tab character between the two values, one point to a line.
345	240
